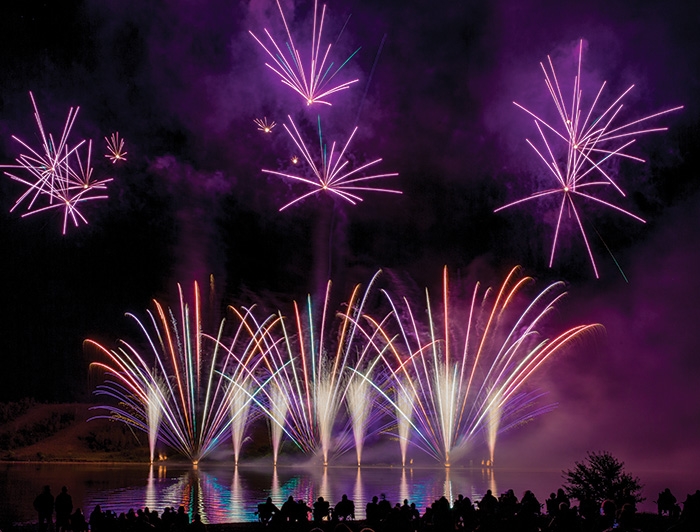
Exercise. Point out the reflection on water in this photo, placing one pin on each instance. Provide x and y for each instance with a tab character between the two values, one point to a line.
227	494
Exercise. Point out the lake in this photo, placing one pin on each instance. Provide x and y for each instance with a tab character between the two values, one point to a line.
224	494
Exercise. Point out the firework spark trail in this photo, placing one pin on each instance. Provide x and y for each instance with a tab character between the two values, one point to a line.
590	144
186	382
331	174
115	148
449	395
312	84
57	177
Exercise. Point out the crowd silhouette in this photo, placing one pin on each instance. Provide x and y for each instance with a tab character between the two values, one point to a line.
504	513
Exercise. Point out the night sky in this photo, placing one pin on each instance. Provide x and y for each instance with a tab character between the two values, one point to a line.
182	82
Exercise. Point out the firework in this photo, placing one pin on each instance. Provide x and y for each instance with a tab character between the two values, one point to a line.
315	370
315	82
264	125
586	142
55	175
453	379
115	148
332	173
187	389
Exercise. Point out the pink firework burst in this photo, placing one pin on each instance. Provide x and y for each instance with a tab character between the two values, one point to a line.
590	139
115	148
264	125
315	82
333	173
55	175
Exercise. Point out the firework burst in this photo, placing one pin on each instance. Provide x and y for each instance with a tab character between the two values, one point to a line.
187	389
315	82
264	125
317	392
56	176
453	378
115	148
332	172
578	150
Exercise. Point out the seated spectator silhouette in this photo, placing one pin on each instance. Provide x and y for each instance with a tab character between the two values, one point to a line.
384	507
266	511
289	510
322	510
78	522
666	504
344	510
302	512
196	525
625	520
488	504
372	511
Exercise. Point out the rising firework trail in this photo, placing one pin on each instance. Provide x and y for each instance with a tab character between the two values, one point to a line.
331	170
115	148
461	372
578	151
314	82
185	388
55	174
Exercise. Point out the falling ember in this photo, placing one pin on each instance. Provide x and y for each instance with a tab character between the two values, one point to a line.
115	147
330	171
577	163
314	83
264	125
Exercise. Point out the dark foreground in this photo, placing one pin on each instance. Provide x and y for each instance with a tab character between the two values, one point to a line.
643	522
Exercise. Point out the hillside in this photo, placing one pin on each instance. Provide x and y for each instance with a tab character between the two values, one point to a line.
62	432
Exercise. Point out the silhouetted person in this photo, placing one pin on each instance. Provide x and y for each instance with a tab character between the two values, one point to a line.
690	516
77	520
289	509
488	504
372	511
667	503
608	514
562	497
552	505
43	504
267	510
345	509
64	508
196	525
322	510
442	515
182	520
566	520
384	507
625	520
302	512
97	519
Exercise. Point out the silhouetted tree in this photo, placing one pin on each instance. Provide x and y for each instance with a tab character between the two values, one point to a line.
601	476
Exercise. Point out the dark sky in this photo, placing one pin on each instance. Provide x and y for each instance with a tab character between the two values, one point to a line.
182	81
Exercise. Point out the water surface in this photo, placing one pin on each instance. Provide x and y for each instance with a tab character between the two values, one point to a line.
231	494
